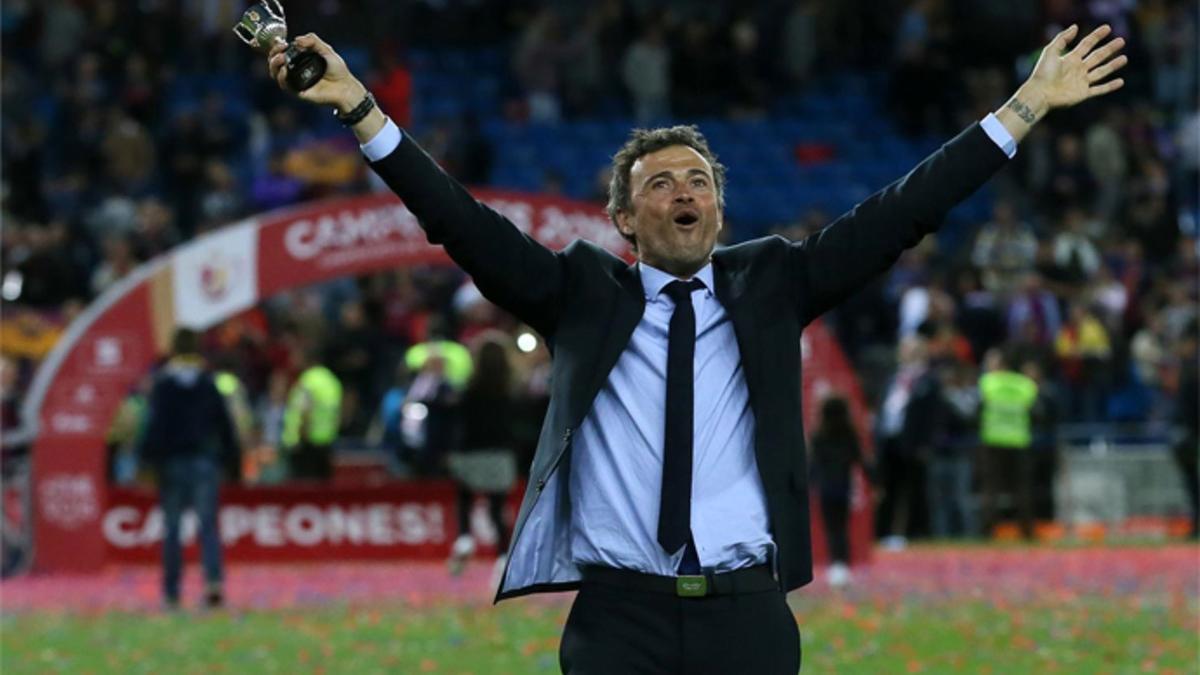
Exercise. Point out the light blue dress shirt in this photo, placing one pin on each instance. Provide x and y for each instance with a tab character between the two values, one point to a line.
617	456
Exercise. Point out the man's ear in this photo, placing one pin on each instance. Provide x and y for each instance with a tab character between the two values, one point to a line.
623	224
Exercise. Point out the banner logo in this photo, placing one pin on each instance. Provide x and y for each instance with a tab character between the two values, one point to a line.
217	275
69	500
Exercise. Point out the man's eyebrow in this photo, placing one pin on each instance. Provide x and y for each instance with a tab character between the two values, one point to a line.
668	174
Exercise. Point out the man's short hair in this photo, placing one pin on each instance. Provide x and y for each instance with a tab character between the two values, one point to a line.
186	341
645	141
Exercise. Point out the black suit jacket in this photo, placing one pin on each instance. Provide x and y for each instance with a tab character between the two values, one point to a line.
586	303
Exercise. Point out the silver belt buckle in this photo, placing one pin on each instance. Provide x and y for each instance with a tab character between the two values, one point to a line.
691	586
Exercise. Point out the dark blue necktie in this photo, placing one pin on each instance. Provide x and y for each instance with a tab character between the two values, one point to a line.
675	507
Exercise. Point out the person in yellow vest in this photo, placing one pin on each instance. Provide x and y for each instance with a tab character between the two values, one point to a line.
123	434
457	358
310	422
1006	431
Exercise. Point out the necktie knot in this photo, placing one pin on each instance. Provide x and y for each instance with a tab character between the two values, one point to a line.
680	290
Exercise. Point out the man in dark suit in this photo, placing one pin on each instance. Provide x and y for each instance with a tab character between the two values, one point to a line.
669	484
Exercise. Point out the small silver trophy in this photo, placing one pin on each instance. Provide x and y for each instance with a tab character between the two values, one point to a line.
263	26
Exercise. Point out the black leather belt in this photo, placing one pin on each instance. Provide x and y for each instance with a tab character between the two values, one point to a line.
757	579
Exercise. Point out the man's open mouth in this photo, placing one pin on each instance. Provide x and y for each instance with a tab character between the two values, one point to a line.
686	218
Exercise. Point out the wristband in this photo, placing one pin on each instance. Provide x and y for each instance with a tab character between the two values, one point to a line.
357	114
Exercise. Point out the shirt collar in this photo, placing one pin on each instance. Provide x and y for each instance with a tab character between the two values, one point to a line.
655	280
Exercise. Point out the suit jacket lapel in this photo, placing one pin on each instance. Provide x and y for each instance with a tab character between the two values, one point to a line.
628	305
732	290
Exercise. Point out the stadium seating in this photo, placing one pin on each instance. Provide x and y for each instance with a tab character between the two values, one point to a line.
769	184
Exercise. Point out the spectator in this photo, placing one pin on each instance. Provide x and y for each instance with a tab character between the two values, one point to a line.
1151	212
1104	151
801	41
1174	57
118	262
1033	315
951	467
905	432
385	430
275	187
917	87
188	431
922	304
475	314
538	63
1109	296
835	453
120	443
237	404
1044	417
46	273
1007	398
979	313
269	467
129	155
64	27
311	421
646	70
1005	250
748	91
1187	423
1075	255
1085	353
393	86
220	200
485	463
354	349
154	231
1150	350
1069	184
698	65
428	426
469	153
10	409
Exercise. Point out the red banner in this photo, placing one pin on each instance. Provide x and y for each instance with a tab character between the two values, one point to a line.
352	236
395	521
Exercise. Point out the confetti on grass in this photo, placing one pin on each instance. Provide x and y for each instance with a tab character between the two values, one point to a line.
924	610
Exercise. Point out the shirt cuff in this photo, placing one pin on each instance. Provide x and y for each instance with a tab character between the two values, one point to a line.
999	135
383	142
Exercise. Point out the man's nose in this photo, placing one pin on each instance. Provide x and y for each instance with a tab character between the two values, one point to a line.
684	194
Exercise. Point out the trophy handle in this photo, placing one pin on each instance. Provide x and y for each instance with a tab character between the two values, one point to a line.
274	8
244	34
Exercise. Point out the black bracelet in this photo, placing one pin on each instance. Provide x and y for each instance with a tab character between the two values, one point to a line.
358	113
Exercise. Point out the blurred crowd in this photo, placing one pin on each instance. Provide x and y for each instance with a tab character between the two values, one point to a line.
131	127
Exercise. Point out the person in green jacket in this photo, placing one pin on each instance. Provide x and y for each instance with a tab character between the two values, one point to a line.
1006	430
311	421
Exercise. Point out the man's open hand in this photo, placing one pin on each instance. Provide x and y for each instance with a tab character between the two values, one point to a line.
1065	78
337	88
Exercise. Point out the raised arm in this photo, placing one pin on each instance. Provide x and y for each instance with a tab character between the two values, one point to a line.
864	242
510	268
1063	78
